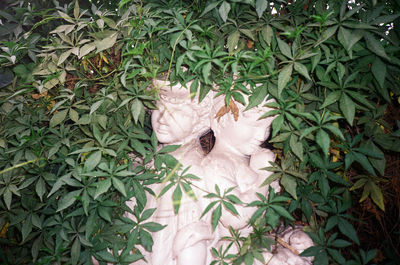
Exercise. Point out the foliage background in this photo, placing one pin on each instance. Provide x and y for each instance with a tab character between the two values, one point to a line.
75	111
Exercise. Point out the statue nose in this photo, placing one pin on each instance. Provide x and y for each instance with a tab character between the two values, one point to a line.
165	115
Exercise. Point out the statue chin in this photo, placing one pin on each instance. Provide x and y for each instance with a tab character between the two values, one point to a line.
165	137
234	161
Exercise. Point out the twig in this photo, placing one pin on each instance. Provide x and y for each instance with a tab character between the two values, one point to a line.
286	245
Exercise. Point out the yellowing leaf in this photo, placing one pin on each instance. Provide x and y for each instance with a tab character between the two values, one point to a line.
377	197
64	56
107	43
85	49
76	10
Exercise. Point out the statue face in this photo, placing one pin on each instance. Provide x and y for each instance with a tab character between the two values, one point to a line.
247	133
175	118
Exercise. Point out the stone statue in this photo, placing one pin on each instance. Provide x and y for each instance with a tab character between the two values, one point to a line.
180	120
235	161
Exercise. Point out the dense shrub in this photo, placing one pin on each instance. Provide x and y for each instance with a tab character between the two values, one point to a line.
75	104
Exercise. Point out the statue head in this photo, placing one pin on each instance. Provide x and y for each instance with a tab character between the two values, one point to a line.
247	133
179	118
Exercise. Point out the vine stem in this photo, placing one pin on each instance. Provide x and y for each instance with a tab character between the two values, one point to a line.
174	48
286	245
22	164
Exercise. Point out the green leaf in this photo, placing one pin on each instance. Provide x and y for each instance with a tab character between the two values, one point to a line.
92	161
363	160
282	211
95	106
137	108
284	77
73	115
296	147
107	42
153	227
168	149
216	215
248	33
58	117
348	230
102	187
348	38
340	243
210	7
119	185
233	40
26	228
323	140
193	87
229	206
379	71
75	249
302	69
40	188
261	6
284	48
290	185
257	96
267	34
375	45
224	10
7	196
104	255
204	89
336	256
347	107
176	198
277	124
68	199
335	130
326	35
206	72
208	208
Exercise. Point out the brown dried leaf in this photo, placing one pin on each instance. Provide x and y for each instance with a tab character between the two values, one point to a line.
250	44
234	109
221	112
37	96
